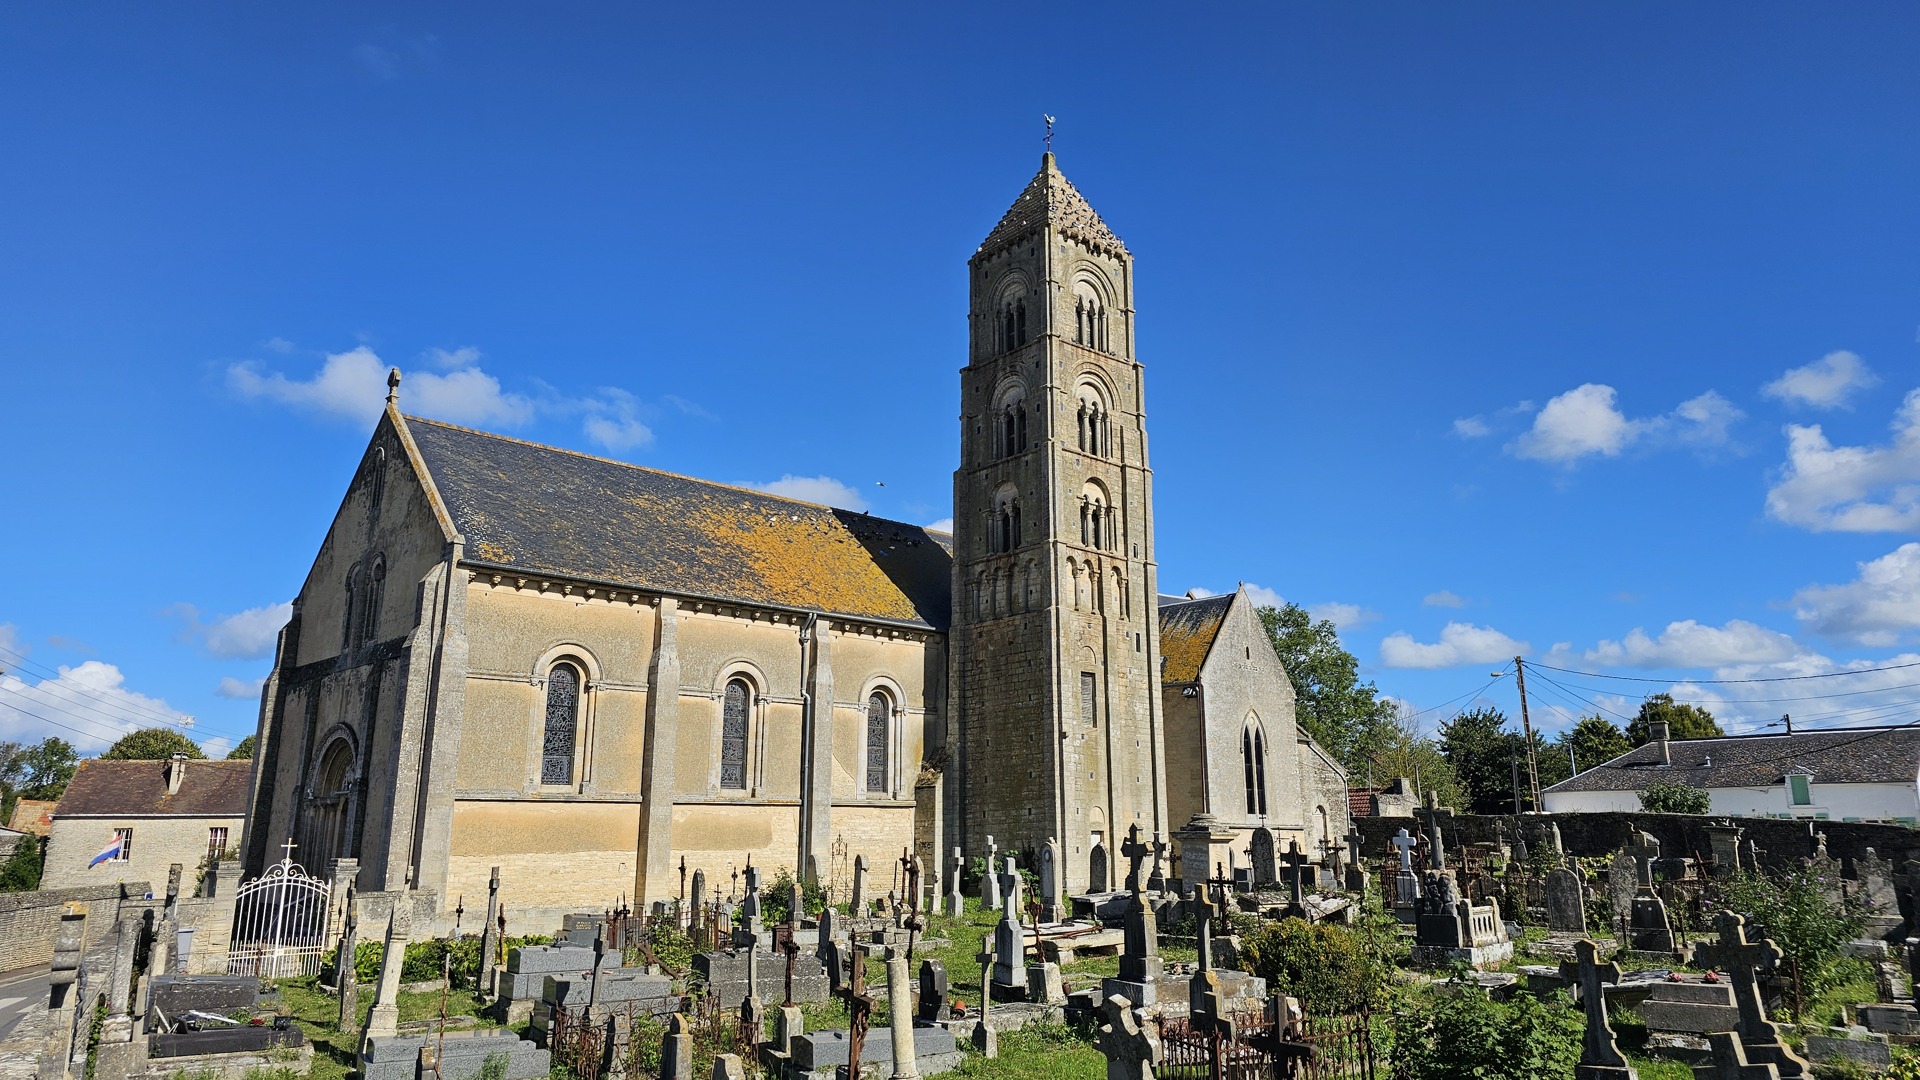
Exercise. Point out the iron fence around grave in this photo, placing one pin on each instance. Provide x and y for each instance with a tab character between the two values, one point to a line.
1190	1053
624	1042
1342	1048
279	923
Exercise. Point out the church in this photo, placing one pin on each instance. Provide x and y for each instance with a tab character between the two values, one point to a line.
600	677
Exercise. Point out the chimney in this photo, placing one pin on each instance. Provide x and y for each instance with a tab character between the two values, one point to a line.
176	769
1658	729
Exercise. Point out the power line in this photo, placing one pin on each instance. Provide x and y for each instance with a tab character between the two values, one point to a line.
20	661
115	709
1727	682
1765	701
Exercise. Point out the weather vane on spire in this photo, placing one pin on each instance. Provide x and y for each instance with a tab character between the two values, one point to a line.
1049	120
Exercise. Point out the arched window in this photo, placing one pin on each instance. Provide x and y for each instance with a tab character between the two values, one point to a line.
733	735
879	727
561	734
348	625
1090	315
1253	756
370	608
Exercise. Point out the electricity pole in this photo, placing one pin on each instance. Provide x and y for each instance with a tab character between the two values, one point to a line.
1526	732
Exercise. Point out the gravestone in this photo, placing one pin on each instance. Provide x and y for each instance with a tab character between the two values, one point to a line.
1623	881
1600	1057
933	993
1723	842
1296	862
749	932
1009	938
1566	902
900	1007
1157	880
990	885
1130	1043
346	974
676	1049
956	905
1050	881
1043	984
1648	928
858	905
1260	853
1406	889
384	1019
984	1038
1141	968
490	933
1729	1061
1356	862
1746	961
728	1067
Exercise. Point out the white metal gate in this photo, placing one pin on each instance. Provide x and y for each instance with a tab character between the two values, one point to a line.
279	923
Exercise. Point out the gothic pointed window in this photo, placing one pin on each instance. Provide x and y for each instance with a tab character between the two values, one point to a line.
1020	422
1013	526
376	589
1089	699
1020	336
557	743
1253	756
879	724
733	735
348	627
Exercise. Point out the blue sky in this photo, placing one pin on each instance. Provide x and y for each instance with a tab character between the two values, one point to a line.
1581	331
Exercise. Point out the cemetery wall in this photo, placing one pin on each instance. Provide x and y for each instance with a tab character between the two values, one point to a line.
1599	834
28	919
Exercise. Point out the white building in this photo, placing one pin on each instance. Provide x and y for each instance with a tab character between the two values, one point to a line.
1854	774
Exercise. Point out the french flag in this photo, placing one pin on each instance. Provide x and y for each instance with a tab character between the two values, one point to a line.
107	854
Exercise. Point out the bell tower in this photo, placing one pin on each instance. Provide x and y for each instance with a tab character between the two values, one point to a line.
1054	642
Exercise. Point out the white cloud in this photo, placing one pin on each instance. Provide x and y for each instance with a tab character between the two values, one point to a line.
1471	427
1444	598
88	705
1826	383
10	643
239	689
1875	608
216	747
1460	643
1343	616
353	385
944	525
245	635
464	356
1264	597
1828	488
817	489
1585	422
613	421
1688	644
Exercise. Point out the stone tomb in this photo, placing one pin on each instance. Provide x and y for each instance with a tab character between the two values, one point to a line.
817	1055
463	1056
174	1033
1451	928
725	975
620	991
528	967
1690	1007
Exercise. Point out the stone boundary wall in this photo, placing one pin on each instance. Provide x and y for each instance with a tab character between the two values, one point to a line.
1601	834
28	919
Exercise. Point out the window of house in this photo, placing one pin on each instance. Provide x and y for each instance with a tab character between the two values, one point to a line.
1800	789
125	837
217	843
1089	700
879	721
733	735
562	725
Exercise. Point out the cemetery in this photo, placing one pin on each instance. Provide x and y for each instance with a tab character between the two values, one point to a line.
1422	957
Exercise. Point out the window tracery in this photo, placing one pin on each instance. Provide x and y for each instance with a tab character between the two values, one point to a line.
560	735
733	734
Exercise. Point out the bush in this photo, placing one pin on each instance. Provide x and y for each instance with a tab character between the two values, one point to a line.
1804	912
773	898
20	871
1465	1035
1674	797
1329	968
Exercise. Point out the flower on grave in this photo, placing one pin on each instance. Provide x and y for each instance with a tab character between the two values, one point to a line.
1711	976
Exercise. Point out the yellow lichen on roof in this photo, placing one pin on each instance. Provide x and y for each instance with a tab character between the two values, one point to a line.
1186	634
807	559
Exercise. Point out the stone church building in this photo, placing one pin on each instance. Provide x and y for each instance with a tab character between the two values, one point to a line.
592	674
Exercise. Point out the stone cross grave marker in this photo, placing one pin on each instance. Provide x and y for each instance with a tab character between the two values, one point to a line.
1157	880
955	904
750	907
1729	1061
1433	816
1204	910
1296	862
489	934
985	1039
691	917
1645	849
1130	1043
385	1017
1404	844
1135	852
900	1009
345	973
1745	961
1600	1057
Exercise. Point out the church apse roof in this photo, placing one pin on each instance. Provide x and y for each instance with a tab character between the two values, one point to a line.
1050	198
542	510
1188	628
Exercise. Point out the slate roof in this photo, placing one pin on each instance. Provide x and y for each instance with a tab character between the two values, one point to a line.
539	510
1187	631
1050	198
1846	756
139	789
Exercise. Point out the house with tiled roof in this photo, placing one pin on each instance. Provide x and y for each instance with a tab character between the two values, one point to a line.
591	674
1845	774
144	816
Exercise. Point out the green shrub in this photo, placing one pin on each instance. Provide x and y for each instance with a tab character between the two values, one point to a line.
1329	968
1802	911
1468	1036
1674	797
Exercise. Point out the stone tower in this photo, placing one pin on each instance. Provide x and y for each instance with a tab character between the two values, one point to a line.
1054	644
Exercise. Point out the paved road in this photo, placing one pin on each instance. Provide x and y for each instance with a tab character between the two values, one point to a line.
21	991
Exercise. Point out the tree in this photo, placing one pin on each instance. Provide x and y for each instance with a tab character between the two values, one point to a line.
1481	750
1400	750
243	751
1674	797
1593	740
45	767
1331	704
20	871
1683	721
152	744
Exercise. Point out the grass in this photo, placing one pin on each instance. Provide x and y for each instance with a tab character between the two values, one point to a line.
336	1055
1046	1051
1652	1068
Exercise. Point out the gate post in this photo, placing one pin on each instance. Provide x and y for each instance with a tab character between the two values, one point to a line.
340	875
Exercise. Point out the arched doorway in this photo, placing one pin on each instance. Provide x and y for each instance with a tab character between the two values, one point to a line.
329	833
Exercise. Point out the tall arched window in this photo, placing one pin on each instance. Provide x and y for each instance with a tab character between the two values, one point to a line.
1253	756
879	730
733	735
561	735
370	608
349	626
